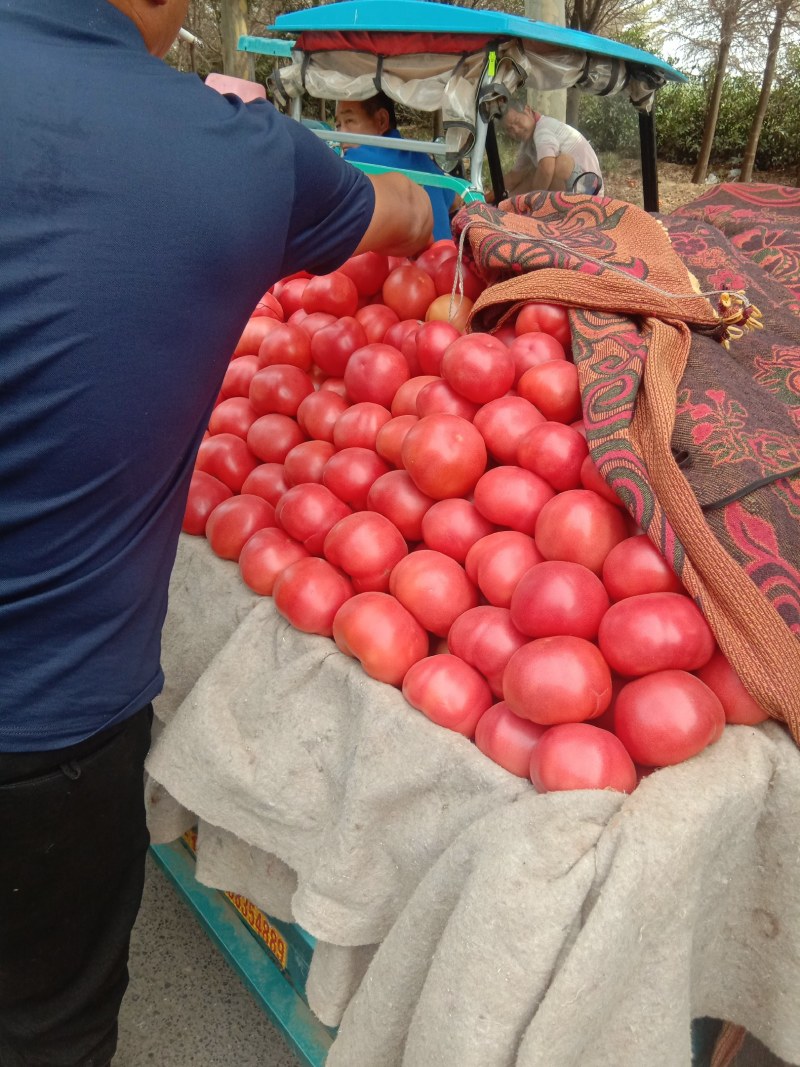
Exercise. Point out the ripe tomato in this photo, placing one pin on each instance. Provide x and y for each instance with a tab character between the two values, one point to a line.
553	388
512	496
375	320
228	458
234	415
306	462
432	339
497	562
318	412
391	435
409	290
445	455
486	638
368	271
268	306
290	294
286	344
205	492
266	555
309	593
254	333
334	293
537	317
271	437
555	452
366	546
507	739
268	481
313	323
378	631
554	599
504	423
725	683
454	310
581	527
440	398
358	426
531	349
279	389
666	717
591	478
333	345
234	521
404	401
307	512
580	756
394	495
444	278
374	373
453	526
635	566
238	376
434	588
557	679
655	632
399	332
350	473
435	254
478	367
448	691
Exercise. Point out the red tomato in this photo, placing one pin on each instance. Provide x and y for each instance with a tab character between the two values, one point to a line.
666	717
554	599
454	310
389	442
557	679
332	346
503	424
290	295
440	398
448	691
309	593
453	526
512	496
591	478
279	389
368	271
238	376
205	492
545	318
507	739
408	291
486	638
318	412
234	415
378	631
233	522
375	320
581	527
432	340
334	293
498	561
306	461
350	473
266	555
655	632
314	322
267	481
479	367
358	426
254	333
228	458
434	588
445	455
445	277
334	385
366	546
635	566
555	452
531	349
271	437
725	683
307	512
435	254
553	388
579	756
394	495
374	373
399	332
268	306
286	344
404	401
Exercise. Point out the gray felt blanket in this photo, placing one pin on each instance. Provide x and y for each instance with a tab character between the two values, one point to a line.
462	919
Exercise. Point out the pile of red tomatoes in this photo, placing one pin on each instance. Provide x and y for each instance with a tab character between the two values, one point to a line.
426	498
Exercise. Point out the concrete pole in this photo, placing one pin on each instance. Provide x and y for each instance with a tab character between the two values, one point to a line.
234	23
550	103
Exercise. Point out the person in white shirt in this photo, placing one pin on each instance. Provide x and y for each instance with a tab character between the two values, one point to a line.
551	156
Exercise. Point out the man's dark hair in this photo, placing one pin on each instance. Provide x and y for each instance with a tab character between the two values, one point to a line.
378	102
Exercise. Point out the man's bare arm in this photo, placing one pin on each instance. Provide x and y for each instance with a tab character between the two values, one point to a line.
402	222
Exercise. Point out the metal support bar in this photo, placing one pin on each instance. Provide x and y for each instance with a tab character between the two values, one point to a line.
495	167
429	148
647	141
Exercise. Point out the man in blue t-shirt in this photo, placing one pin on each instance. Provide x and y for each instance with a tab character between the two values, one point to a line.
377	116
143	215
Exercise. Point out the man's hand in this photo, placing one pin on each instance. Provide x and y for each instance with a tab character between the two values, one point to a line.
402	222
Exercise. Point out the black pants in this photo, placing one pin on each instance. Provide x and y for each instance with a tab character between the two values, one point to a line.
73	842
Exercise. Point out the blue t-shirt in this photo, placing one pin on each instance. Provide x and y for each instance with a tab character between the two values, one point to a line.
402	159
142	215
